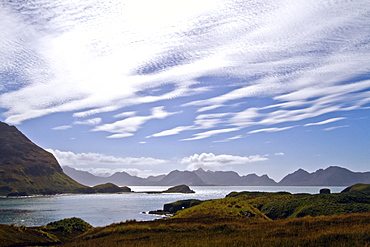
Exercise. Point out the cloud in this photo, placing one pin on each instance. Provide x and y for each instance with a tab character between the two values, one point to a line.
127	127
63	127
214	162
92	121
326	121
270	130
279	154
68	158
210	133
336	127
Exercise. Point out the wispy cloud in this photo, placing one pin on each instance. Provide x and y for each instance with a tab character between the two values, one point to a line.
270	130
62	127
326	121
279	154
92	121
206	134
127	127
336	127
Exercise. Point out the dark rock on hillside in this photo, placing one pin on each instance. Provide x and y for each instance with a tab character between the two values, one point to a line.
325	191
331	176
27	169
171	208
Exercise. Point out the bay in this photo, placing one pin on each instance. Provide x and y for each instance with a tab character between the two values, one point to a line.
105	209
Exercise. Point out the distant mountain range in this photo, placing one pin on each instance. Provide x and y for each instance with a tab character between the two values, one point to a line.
331	176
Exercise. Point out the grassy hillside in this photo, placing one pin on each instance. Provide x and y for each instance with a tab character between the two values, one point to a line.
26	168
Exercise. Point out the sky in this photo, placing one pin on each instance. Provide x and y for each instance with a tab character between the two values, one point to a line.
150	86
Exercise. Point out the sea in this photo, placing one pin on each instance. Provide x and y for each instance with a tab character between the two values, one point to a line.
106	209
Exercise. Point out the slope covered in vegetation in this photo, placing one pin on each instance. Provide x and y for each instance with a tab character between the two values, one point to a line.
28	169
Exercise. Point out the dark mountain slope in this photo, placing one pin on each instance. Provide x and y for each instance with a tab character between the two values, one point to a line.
26	168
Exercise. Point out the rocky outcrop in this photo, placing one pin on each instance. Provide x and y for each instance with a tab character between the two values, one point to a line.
110	188
179	189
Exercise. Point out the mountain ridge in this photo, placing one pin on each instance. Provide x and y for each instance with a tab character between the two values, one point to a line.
331	176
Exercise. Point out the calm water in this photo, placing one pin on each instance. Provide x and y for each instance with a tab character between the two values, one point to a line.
105	209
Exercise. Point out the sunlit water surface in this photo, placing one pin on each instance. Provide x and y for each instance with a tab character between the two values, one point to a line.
105	209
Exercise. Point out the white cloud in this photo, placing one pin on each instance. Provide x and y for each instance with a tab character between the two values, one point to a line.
280	154
125	114
210	133
336	127
214	162
92	121
63	127
326	121
126	127
270	130
68	158
173	131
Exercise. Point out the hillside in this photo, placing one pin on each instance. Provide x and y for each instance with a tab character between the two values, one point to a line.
28	169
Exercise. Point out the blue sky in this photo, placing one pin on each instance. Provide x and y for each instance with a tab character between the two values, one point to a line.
147	87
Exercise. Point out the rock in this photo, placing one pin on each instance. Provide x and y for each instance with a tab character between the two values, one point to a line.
325	191
179	189
110	188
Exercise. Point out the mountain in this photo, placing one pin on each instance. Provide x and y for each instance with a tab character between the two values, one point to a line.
331	176
123	179
26	169
230	178
181	177
191	178
254	180
83	177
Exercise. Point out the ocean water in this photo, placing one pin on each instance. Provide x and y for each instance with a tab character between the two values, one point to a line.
105	209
